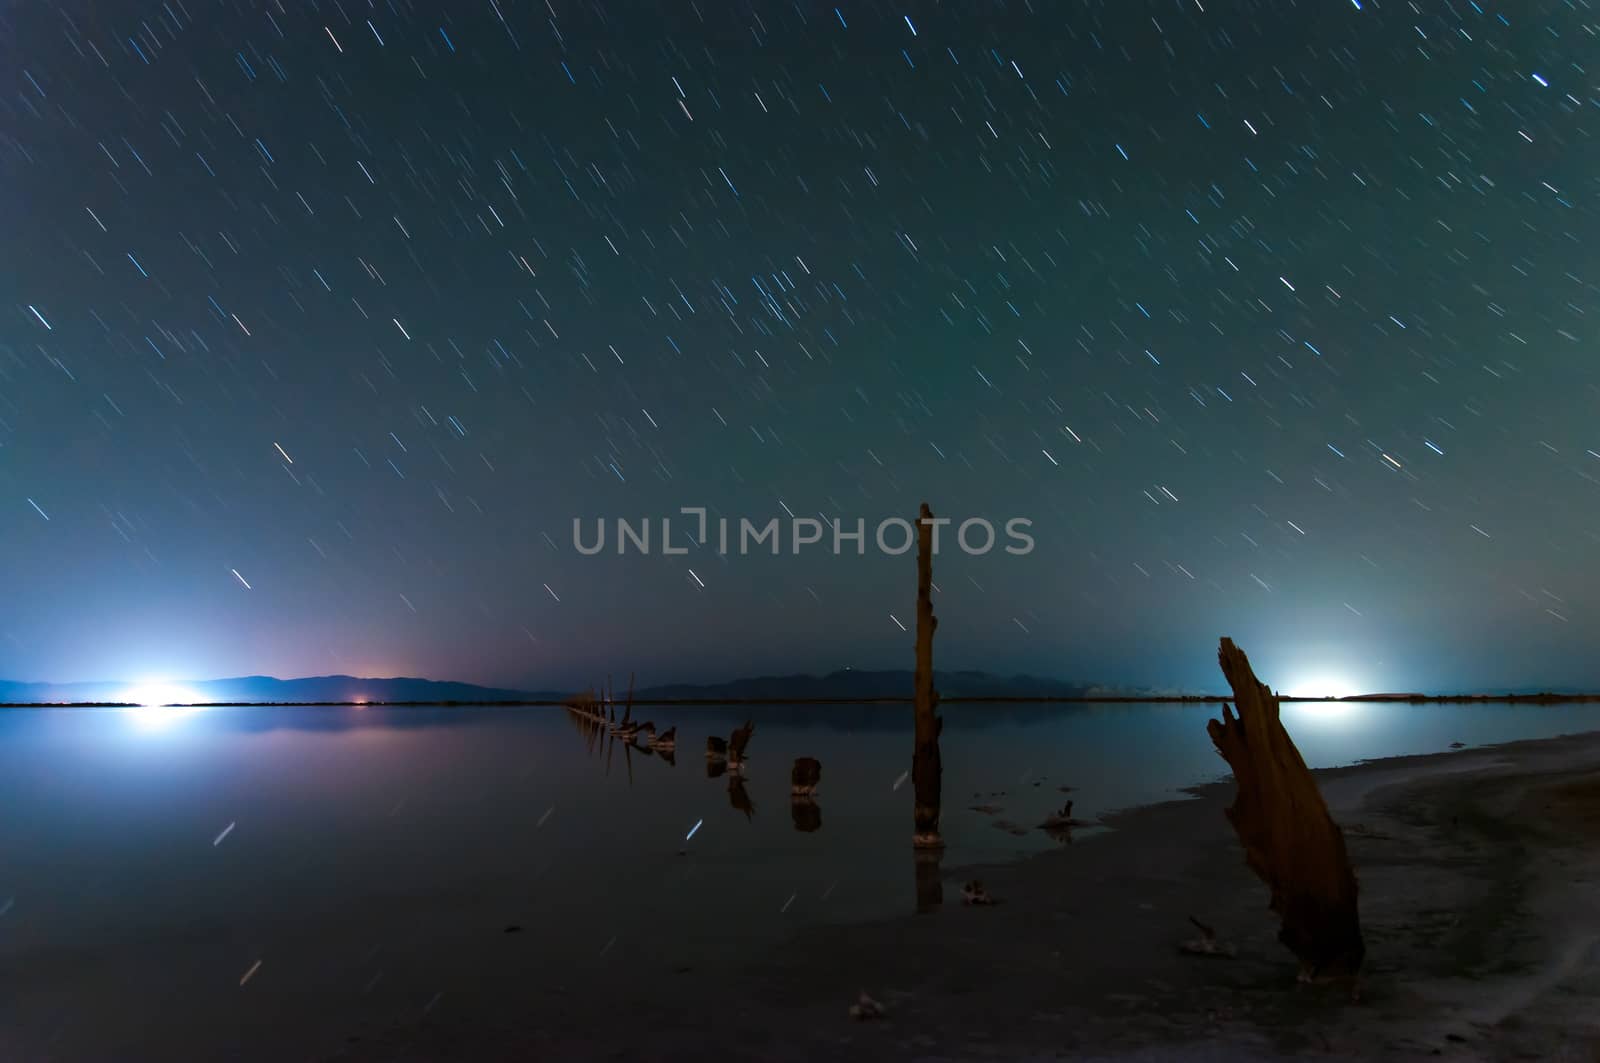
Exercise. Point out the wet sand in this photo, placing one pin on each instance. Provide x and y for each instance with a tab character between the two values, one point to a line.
1480	879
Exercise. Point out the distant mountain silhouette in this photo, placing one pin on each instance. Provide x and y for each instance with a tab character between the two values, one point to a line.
847	684
850	683
353	688
844	685
262	688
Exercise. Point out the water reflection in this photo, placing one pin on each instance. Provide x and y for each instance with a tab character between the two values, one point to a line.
156	865
804	778
806	814
929	878
927	845
363	812
738	796
158	717
602	735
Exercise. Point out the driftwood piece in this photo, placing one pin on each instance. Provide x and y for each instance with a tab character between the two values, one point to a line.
973	893
1290	841
926	769
716	748
1062	821
1207	944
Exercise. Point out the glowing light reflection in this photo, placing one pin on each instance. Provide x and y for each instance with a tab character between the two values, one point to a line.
157	705
159	717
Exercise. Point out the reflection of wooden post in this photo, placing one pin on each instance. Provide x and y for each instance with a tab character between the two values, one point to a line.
925	768
930	881
739	797
806	814
1289	838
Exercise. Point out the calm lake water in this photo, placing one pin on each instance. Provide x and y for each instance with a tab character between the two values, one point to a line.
364	857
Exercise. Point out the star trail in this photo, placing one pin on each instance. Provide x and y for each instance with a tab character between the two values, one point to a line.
327	320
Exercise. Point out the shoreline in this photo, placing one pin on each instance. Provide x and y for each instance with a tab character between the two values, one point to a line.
1478	868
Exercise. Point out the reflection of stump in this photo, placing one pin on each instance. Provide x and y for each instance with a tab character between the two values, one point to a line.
1289	838
739	797
930	881
716	768
925	766
806	775
806	814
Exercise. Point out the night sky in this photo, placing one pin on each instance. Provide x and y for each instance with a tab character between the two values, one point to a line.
324	321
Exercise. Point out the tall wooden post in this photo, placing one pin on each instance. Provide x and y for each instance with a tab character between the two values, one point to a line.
925	767
1290	841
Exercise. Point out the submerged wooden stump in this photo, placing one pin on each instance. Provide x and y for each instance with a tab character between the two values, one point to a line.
739	740
1290	841
805	776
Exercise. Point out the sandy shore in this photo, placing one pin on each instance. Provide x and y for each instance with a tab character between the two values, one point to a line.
1480	878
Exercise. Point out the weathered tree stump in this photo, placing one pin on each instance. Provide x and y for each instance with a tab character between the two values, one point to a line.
739	740
1290	841
805	776
925	765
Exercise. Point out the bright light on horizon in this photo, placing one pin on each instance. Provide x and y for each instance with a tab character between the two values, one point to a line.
158	704
154	693
1322	686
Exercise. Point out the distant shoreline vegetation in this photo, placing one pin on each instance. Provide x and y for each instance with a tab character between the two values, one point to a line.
844	686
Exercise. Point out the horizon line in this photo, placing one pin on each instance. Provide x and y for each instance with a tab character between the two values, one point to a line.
1542	697
1171	695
